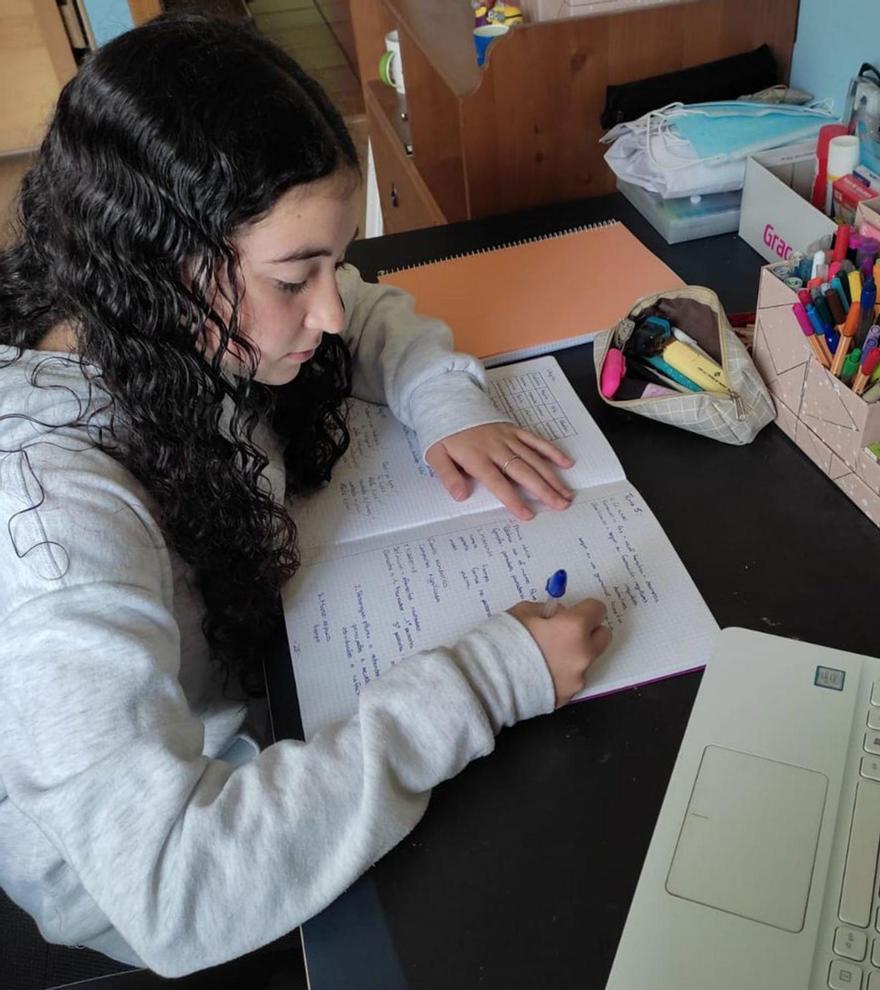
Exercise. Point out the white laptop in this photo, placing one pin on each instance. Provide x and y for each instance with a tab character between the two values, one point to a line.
762	870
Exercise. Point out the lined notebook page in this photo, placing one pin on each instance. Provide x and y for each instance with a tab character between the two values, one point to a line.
382	484
351	618
529	296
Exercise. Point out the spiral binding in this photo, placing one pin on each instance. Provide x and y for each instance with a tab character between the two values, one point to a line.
500	247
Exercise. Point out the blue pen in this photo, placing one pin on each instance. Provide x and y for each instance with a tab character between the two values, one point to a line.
555	589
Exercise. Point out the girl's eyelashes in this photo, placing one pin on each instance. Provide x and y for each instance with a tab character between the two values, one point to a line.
294	288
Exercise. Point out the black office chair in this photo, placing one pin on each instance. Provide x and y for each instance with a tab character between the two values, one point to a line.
27	962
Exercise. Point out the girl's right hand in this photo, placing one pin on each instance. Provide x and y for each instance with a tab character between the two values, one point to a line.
570	641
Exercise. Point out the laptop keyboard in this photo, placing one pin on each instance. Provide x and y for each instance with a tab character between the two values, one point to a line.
856	942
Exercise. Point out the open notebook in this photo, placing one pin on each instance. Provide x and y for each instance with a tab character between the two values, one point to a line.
391	565
537	295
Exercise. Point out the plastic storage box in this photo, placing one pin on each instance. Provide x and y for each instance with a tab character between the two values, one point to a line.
688	218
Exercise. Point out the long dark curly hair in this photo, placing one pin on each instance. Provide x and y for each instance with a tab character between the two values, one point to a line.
169	139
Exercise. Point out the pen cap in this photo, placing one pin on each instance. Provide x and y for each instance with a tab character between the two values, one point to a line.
841	243
855	286
832	301
556	583
870	361
853	320
803	320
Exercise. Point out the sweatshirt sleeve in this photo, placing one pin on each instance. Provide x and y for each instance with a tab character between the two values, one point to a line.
406	361
191	861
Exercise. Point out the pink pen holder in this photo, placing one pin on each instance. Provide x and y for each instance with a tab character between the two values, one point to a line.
824	417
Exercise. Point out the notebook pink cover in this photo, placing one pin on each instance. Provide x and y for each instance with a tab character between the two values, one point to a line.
538	295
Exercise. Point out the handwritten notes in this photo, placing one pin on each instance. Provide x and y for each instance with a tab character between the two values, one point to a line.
382	483
358	611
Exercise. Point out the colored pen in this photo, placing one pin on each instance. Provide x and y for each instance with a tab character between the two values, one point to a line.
869	297
813	338
823	308
851	366
555	588
854	279
872	340
848	331
837	285
869	364
841	243
832	301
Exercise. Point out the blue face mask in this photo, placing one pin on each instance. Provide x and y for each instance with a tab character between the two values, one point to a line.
726	131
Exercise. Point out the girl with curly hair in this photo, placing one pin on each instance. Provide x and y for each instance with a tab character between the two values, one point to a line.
178	336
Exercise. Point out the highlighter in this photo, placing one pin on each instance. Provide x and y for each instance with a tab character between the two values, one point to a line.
613	371
855	286
670	372
702	370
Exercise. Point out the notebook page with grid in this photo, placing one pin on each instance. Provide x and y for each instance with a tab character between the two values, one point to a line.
382	484
358	606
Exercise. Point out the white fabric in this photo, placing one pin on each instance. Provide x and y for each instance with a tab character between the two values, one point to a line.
122	828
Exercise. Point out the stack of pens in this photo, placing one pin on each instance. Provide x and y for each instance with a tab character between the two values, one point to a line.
837	308
657	358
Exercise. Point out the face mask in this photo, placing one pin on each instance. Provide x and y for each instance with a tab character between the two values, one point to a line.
726	131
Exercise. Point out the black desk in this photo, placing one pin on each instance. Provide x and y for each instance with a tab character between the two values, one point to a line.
522	871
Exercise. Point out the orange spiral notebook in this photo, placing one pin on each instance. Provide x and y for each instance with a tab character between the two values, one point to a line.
538	295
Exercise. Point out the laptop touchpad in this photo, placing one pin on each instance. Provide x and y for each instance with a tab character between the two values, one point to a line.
748	841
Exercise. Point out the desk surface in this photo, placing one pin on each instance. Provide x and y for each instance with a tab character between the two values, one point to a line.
522	871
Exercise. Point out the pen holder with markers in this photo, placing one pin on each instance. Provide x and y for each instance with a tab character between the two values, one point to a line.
676	359
820	412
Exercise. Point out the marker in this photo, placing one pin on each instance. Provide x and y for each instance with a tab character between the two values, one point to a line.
818	261
666	369
866	303
871	341
823	308
855	286
851	366
815	340
824	330
848	331
613	372
869	364
841	243
555	588
837	285
832	301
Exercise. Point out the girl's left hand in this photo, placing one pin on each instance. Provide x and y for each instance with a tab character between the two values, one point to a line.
503	457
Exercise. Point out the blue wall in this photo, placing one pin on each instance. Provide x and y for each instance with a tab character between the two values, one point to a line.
108	18
830	48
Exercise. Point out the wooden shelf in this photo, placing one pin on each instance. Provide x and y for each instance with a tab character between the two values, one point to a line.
524	130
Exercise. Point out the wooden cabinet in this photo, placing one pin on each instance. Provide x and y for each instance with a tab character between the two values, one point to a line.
524	130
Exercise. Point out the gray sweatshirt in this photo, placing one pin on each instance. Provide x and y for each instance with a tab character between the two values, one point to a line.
125	824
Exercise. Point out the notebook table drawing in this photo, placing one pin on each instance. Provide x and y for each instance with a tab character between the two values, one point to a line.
392	565
537	295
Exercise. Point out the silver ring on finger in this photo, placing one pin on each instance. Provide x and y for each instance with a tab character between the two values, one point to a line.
509	460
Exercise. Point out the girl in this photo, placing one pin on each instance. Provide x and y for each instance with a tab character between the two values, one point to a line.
178	334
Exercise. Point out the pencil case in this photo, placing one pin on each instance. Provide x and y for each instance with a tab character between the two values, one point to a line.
735	415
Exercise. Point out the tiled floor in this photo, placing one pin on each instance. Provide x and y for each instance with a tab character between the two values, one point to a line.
318	36
317	33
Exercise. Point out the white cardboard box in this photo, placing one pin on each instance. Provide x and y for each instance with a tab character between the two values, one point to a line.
777	217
